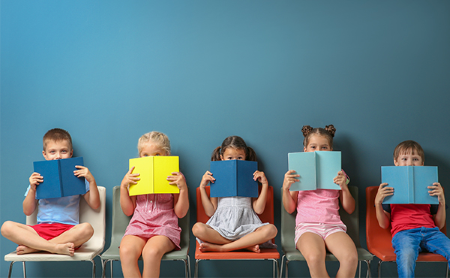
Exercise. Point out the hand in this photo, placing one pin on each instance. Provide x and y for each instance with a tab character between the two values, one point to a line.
436	190
35	179
129	178
83	172
178	179
207	178
341	180
261	177
382	193
289	179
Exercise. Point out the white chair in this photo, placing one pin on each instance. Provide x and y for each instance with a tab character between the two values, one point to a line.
87	252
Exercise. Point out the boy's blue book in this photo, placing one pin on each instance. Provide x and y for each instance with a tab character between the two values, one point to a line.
317	169
233	178
410	184
59	179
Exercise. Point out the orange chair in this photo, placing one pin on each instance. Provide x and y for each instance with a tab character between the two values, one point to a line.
266	254
379	239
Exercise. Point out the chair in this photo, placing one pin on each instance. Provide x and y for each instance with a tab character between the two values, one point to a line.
119	224
87	252
379	240
350	220
265	254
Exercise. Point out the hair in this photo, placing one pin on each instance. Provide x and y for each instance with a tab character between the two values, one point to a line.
327	132
156	137
234	142
409	146
57	134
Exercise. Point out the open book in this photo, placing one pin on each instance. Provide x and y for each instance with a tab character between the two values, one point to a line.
233	178
59	179
410	184
153	172
317	169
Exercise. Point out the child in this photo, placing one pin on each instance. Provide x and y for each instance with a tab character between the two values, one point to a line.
318	224
234	224
153	230
58	230
415	227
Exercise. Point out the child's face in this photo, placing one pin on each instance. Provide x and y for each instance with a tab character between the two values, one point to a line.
57	150
151	149
408	159
232	153
317	143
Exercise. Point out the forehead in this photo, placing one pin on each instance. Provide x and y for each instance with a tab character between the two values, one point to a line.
409	151
52	144
151	147
318	139
230	151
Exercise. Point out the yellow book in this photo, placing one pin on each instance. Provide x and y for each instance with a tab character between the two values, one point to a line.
153	172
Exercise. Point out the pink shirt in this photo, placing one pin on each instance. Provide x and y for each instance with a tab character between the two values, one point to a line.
318	206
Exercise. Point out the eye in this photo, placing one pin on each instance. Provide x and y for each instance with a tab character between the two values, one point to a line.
157	154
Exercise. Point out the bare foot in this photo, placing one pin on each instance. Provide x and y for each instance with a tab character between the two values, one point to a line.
254	248
65	249
209	247
22	249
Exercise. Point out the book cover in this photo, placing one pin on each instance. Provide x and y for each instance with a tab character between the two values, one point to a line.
59	179
410	184
153	172
316	169
234	178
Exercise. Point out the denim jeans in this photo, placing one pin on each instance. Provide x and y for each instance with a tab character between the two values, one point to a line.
408	243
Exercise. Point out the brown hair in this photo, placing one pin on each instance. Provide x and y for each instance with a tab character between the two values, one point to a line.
327	132
57	134
235	142
409	146
156	137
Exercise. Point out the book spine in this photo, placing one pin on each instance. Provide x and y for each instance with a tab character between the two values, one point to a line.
60	179
411	185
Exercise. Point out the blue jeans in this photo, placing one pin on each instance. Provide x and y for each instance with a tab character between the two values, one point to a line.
408	243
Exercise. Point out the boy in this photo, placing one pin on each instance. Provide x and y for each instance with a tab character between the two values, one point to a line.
58	230
415	227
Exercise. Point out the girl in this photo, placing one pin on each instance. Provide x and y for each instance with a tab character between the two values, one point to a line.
153	229
233	224
318	225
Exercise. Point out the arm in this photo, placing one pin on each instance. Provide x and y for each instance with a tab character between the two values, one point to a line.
127	202
209	205
290	197
181	201
346	198
439	217
383	217
259	204
92	197
29	203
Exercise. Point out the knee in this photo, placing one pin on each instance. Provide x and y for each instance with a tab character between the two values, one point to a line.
270	231
7	228
198	229
314	259
151	253
85	230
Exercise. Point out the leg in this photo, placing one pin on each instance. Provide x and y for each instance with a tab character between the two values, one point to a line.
437	242
130	251
250	241
407	247
153	251
208	234
343	248
29	240
312	247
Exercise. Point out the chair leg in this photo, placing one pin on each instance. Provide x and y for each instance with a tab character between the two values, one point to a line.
446	273
10	269
359	268
196	269
287	275
276	268
104	262
379	268
281	266
24	270
186	268
189	266
368	274
93	268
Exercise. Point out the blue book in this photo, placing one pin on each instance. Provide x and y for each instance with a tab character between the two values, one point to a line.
317	169
234	178
59	179
410	184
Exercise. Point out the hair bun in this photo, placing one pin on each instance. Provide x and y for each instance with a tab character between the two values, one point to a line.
330	129
306	129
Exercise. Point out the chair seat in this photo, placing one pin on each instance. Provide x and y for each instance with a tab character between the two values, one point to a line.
266	253
387	255
82	254
295	255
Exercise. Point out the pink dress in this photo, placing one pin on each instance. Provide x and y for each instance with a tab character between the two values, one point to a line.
154	216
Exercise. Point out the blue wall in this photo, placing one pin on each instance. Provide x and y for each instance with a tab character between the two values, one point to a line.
109	71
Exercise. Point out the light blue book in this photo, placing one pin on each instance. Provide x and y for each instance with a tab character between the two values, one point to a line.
317	169
410	184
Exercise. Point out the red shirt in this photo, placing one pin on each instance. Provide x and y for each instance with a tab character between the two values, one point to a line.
410	216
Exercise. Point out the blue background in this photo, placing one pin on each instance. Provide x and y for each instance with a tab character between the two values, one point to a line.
109	71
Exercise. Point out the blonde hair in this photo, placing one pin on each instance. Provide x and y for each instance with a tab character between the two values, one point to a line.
156	137
57	134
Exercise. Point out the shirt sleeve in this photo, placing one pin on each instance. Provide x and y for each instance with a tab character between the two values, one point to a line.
434	209
387	207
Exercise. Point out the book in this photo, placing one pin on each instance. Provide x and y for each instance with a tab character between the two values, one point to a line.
317	169
410	184
153	172
234	178
59	179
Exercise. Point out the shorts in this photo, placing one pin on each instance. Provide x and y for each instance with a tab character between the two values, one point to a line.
50	231
321	229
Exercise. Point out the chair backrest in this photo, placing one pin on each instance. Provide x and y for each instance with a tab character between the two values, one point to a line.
350	220
375	235
94	217
266	216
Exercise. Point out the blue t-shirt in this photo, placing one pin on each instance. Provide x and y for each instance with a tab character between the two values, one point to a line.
64	210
